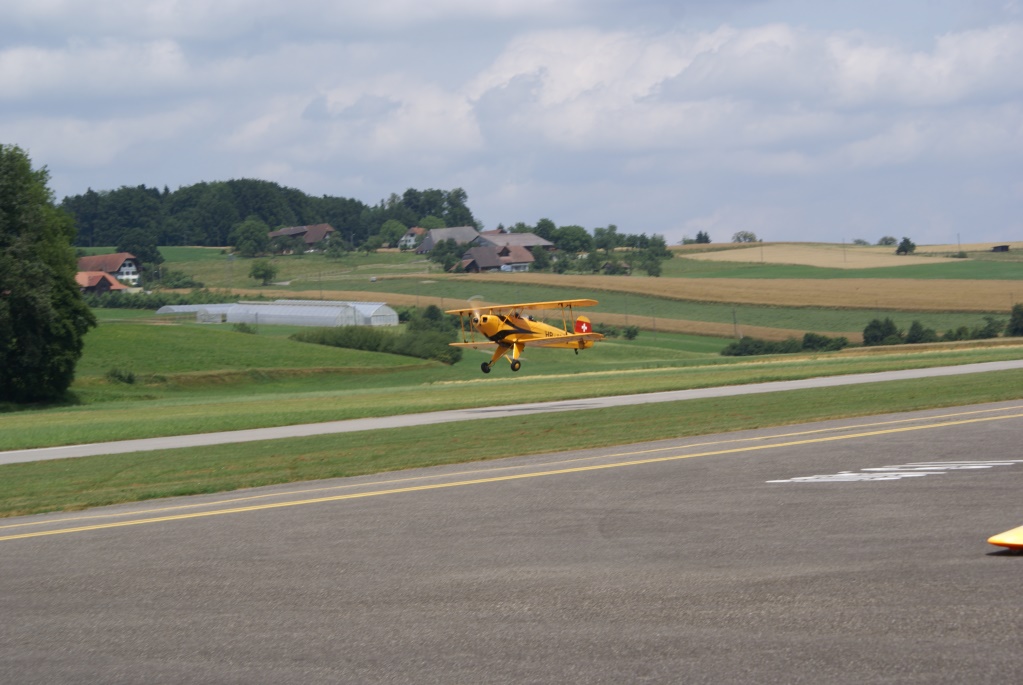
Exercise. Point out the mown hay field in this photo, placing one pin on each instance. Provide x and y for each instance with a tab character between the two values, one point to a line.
827	256
873	293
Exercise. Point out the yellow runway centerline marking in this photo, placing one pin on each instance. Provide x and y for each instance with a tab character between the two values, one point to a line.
533	474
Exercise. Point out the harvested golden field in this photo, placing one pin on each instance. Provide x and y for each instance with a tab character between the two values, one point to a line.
868	293
827	256
965	247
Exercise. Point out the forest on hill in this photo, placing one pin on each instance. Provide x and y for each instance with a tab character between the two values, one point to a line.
138	219
206	213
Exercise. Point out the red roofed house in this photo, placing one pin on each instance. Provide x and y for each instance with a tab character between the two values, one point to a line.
412	237
123	266
97	282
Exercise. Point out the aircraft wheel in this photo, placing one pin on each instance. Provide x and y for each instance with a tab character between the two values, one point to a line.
485	367
516	365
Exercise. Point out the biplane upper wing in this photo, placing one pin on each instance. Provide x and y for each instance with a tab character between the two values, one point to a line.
498	308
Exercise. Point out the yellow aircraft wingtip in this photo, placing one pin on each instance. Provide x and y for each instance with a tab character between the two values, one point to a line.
1013	539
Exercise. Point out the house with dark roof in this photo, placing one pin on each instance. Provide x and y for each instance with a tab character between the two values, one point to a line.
312	236
490	258
477	259
122	266
500	239
97	282
462	235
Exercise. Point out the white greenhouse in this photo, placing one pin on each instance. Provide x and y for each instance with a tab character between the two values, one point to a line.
323	313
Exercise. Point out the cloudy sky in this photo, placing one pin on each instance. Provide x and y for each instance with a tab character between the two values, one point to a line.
795	119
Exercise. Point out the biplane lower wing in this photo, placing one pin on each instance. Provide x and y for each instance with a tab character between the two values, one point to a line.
474	345
562	340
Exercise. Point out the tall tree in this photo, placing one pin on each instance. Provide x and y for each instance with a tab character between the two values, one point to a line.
42	315
606	239
1015	327
142	245
907	246
545	228
250	237
456	209
572	239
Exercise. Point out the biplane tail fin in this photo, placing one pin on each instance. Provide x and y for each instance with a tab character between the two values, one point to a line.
583	325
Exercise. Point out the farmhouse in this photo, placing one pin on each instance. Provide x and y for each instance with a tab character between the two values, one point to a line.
491	258
122	266
312	236
411	237
462	235
97	282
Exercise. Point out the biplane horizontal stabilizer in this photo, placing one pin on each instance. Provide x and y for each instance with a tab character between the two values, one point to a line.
1013	539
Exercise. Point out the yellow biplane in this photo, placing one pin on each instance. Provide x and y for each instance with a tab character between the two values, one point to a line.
507	327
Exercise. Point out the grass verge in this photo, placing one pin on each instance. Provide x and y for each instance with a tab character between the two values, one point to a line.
74	484
329	397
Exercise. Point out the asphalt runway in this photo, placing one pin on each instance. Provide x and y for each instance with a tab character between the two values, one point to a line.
848	551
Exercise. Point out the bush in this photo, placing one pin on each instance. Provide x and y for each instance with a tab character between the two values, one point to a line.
961	333
812	342
177	279
880	332
918	334
907	246
421	344
155	300
121	376
1015	327
991	329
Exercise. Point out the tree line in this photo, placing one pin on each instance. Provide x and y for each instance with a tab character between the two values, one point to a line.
240	214
882	332
206	214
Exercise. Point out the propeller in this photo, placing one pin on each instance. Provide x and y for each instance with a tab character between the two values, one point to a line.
474	302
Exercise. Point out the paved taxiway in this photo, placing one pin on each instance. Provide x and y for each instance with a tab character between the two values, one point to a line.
404	420
844	552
